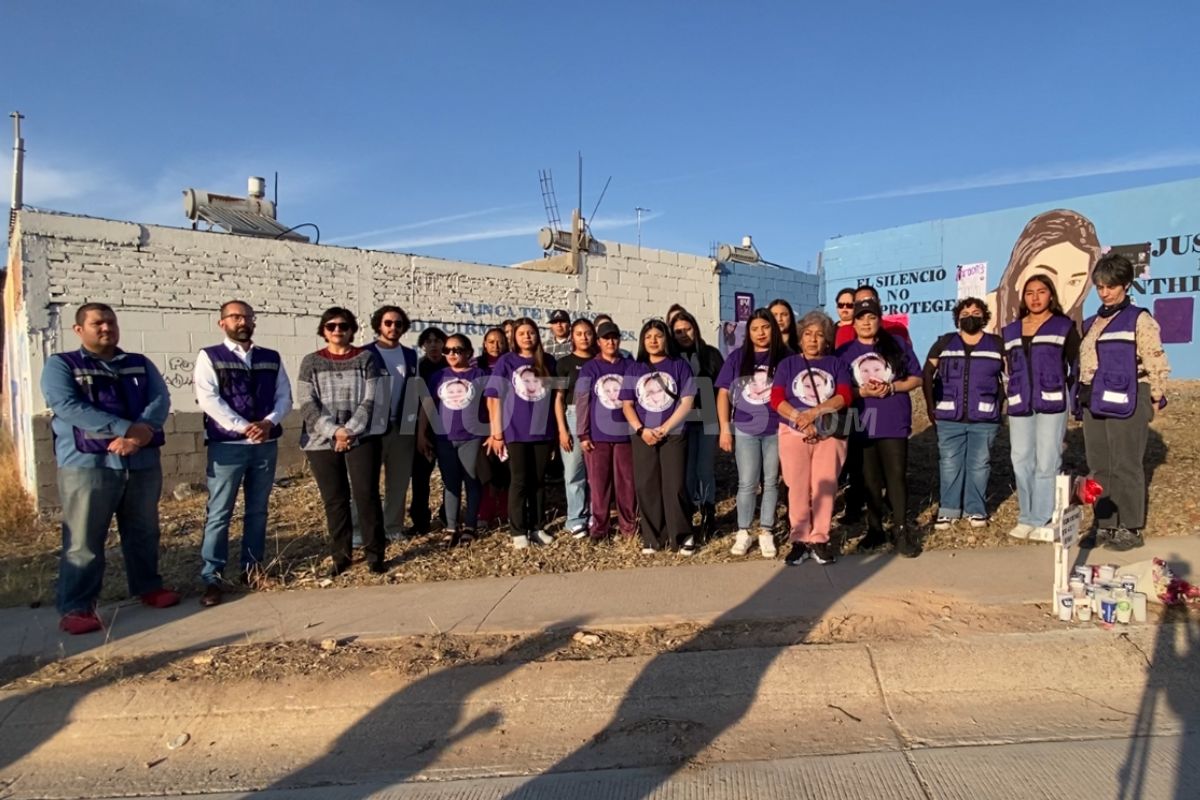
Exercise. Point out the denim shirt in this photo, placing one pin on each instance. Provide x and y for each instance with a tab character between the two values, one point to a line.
72	409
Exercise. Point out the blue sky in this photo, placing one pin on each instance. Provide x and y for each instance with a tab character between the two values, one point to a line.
421	127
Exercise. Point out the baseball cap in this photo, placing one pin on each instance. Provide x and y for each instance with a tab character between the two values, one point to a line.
868	305
560	316
607	329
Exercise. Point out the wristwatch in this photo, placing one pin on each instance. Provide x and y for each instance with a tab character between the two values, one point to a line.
639	431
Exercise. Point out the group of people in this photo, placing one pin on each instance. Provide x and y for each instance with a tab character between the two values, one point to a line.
805	405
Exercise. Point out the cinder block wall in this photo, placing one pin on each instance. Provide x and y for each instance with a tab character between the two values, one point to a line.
166	285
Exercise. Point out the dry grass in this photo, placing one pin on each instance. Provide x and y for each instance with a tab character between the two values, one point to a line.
297	546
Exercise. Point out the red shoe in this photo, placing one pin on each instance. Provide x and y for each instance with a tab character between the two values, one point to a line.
160	598
77	622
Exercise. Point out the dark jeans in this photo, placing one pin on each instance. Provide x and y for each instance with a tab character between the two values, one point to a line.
457	461
660	475
418	510
527	485
1116	452
90	497
351	475
853	471
885	464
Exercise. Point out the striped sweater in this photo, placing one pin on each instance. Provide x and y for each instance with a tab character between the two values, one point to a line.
350	392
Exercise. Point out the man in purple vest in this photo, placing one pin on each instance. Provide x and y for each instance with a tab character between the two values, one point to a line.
109	408
244	393
400	440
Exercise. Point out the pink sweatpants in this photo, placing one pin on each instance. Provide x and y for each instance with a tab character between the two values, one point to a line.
811	474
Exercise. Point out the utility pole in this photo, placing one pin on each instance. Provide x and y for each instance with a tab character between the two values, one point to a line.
18	178
640	211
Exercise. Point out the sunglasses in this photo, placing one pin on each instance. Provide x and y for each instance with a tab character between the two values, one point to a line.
390	323
845	305
337	326
458	351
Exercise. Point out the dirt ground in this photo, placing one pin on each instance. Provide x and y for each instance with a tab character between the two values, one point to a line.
297	549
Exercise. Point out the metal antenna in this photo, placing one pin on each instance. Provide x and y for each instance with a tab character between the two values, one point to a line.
549	200
640	211
599	200
18	175
579	204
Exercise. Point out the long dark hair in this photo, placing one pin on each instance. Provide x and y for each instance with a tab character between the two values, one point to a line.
1040	233
672	346
776	350
697	338
890	349
792	342
483	360
586	323
1055	306
539	354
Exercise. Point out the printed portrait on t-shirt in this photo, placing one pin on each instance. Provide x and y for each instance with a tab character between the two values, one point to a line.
813	386
456	393
528	385
756	388
871	367
608	391
656	391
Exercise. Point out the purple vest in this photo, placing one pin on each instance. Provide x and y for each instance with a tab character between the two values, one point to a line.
122	391
1037	381
249	391
968	387
1115	384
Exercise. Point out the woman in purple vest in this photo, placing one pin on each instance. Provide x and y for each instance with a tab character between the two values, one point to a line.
658	394
750	428
454	436
963	394
1122	383
344	396
1040	348
883	369
521	413
604	435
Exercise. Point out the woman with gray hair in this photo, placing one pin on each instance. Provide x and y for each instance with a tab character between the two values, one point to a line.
808	391
1122	383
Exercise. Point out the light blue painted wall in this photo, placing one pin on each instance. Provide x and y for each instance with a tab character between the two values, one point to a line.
914	266
801	289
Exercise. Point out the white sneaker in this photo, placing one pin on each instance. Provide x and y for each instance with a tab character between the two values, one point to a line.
1020	531
766	545
580	532
543	537
741	543
978	521
943	523
688	548
1042	533
648	551
520	542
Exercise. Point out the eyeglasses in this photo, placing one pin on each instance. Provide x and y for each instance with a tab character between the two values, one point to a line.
243	317
337	326
458	351
845	305
391	323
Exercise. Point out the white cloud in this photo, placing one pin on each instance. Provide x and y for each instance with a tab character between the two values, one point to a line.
426	223
497	231
1054	172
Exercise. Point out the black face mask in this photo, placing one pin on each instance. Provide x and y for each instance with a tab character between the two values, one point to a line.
971	325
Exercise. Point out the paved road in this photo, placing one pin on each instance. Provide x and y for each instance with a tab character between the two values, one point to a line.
1113	769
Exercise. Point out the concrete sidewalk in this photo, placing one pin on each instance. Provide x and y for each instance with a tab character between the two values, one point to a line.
756	590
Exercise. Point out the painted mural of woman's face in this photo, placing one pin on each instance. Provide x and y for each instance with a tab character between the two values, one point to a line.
1066	265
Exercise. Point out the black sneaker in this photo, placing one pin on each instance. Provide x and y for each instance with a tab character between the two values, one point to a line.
1125	539
872	541
908	543
825	553
797	554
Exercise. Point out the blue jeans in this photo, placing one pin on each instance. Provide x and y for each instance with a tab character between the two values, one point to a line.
90	497
965	451
756	457
575	478
701	466
457	460
230	467
1036	443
